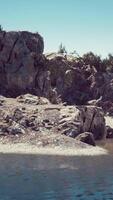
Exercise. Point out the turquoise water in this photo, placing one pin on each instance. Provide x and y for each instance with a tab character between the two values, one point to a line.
31	177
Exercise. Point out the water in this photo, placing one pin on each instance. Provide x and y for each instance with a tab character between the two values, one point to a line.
31	177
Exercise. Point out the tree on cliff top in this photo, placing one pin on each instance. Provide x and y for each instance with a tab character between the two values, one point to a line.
92	59
1	28
62	49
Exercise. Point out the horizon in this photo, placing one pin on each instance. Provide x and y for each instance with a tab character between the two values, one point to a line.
79	25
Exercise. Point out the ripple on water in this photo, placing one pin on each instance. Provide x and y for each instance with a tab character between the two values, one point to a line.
83	178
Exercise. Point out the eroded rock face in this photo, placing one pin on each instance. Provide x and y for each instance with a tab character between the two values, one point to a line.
79	83
93	121
57	77
76	120
67	78
20	54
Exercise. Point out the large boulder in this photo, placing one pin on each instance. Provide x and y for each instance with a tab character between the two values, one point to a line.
93	121
76	120
20	60
86	137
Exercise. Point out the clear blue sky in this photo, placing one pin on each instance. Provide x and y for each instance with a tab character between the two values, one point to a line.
81	25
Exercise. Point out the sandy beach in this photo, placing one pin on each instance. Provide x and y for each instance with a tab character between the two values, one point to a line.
21	148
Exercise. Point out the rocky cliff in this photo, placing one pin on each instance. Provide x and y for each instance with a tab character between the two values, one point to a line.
56	78
19	56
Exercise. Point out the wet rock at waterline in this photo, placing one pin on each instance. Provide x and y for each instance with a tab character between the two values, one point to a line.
86	137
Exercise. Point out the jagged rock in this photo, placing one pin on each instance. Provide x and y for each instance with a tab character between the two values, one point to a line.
75	120
3	128
67	78
109	132
57	77
95	102
71	132
20	55
78	82
32	99
16	115
43	121
86	137
15	128
93	121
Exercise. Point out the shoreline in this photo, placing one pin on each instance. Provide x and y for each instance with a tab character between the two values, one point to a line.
22	148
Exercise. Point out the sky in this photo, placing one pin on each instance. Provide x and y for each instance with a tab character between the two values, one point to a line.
81	25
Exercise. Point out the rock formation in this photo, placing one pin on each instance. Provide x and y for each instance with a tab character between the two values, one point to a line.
58	77
36	118
86	137
20	53
46	80
76	120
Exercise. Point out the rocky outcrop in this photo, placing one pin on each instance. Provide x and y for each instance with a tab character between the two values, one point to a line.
29	114
67	78
78	83
52	94
20	54
76	120
58	77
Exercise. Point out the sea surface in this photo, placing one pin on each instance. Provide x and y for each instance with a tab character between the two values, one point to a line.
37	177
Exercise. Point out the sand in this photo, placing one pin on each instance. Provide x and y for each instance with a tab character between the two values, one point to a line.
22	148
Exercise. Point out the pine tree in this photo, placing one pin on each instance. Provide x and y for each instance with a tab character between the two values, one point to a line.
1	29
62	49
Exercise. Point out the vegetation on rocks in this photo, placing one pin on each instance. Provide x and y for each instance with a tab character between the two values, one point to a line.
62	49
1	29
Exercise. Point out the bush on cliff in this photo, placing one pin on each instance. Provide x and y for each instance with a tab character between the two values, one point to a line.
108	63
1	28
62	49
92	60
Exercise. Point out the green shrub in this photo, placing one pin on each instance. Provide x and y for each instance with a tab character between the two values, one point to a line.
1	28
62	49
